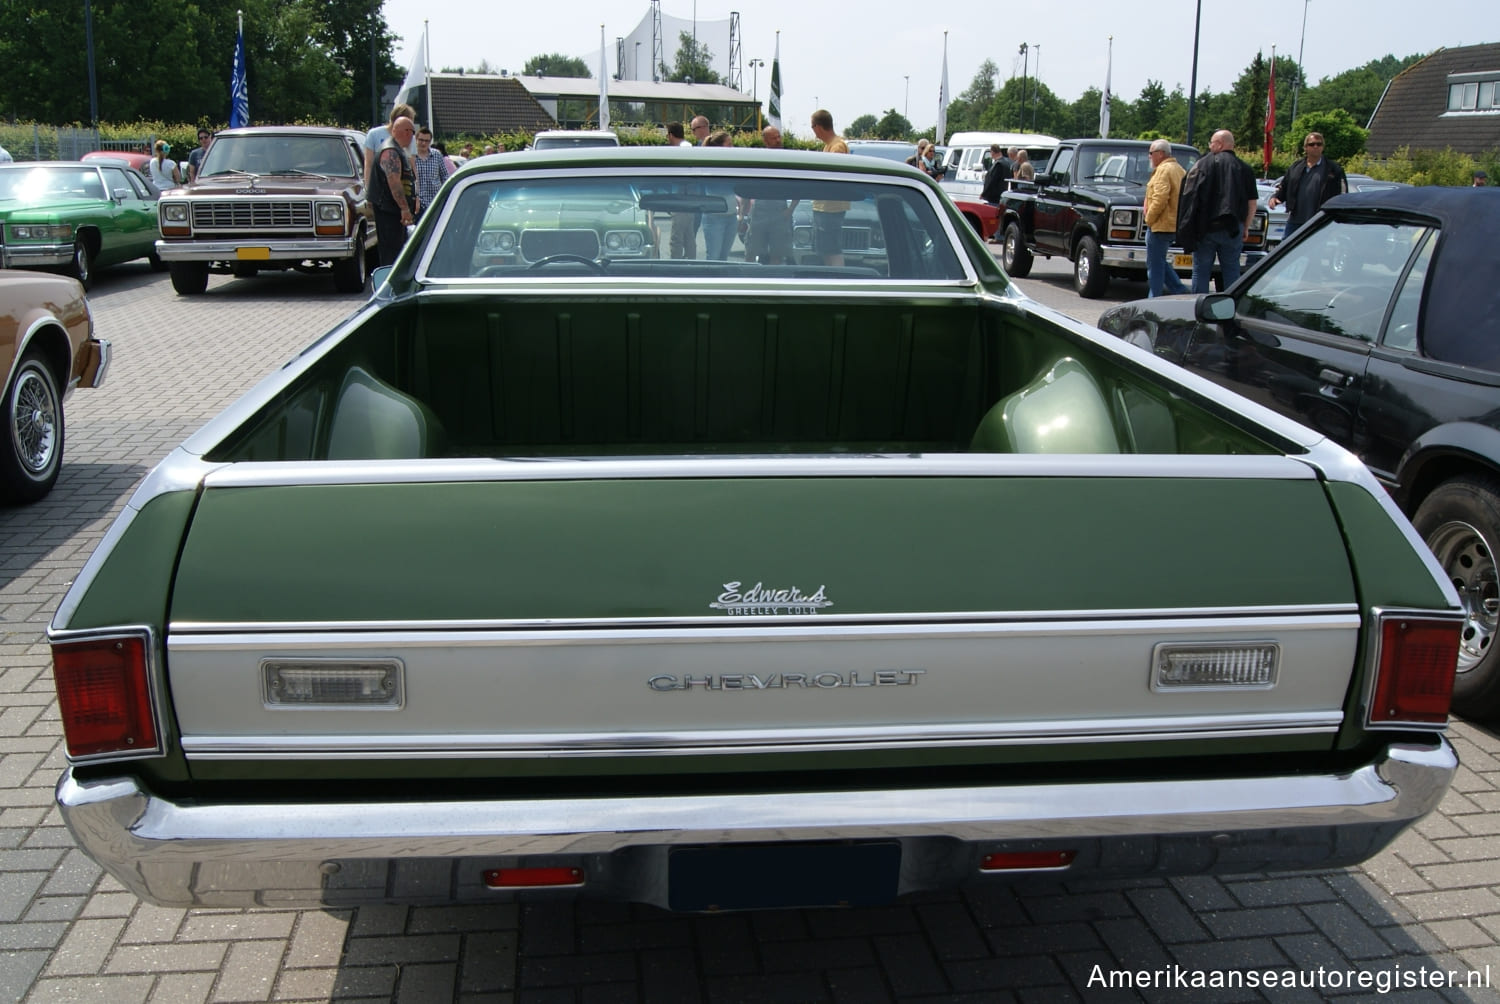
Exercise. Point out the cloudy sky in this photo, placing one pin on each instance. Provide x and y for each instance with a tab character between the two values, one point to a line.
855	58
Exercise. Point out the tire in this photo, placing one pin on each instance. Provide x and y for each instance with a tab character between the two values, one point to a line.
1460	521
1089	274
82	265
31	454
189	278
349	274
1015	256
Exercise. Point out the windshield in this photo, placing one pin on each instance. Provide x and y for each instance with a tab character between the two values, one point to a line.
279	154
33	184
704	225
572	142
1128	165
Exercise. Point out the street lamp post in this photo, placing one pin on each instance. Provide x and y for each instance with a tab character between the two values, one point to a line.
1193	86
635	72
1025	50
1036	84
1297	87
755	65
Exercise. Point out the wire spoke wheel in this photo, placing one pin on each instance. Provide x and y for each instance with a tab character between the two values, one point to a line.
1469	560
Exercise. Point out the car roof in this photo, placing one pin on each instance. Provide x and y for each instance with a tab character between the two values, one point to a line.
291	130
679	156
1463	292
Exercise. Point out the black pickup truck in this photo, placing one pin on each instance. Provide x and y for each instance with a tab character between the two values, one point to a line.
1088	205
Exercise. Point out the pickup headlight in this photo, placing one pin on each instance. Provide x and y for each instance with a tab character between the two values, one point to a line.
497	242
1122	218
330	212
174	212
43	232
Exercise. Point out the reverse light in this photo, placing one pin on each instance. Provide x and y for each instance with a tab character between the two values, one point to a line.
1215	666
313	683
532	878
1415	662
104	695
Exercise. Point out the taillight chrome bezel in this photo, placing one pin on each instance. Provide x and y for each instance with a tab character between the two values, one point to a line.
1379	618
146	636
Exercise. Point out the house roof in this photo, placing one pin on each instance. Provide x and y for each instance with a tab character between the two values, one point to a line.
482	104
665	91
1413	112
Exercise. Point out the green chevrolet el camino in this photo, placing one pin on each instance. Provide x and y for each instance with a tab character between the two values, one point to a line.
75	216
739	584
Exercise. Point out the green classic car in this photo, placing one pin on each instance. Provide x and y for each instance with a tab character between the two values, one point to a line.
607	219
722	585
76	216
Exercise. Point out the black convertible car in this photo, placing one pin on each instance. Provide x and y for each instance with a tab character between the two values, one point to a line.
1378	324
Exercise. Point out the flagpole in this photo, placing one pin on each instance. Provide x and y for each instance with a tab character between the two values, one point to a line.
1270	119
942	117
1104	98
603	84
427	70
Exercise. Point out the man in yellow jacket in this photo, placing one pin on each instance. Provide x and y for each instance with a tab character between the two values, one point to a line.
1161	219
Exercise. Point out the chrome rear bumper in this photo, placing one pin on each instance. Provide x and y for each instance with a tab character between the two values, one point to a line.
299	854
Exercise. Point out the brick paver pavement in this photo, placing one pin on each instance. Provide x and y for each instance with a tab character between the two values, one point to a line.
67	933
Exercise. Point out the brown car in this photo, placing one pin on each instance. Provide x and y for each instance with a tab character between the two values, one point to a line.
47	347
267	198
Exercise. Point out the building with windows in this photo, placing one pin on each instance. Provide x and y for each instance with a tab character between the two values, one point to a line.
1450	99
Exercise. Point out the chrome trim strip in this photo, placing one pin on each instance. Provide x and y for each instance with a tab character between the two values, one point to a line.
156	847
155	686
280	248
347	472
1270	618
727	742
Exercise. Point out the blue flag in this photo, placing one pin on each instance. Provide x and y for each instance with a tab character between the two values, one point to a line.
239	90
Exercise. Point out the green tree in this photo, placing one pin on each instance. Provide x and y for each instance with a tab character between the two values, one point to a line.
296	77
862	127
1150	106
1251	132
694	62
981	90
892	125
554	64
1343	137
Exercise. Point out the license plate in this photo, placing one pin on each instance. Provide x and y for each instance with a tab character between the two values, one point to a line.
253	254
782	876
1182	261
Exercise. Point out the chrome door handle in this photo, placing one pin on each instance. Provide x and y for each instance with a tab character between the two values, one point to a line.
1334	377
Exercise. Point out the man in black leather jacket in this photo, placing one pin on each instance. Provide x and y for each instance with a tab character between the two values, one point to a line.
1309	183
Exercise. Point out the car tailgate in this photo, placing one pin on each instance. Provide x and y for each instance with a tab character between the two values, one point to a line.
550	616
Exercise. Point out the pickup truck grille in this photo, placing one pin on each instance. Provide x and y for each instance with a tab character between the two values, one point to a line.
248	214
855	239
538	244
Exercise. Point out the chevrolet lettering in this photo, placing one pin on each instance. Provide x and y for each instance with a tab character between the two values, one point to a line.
784	681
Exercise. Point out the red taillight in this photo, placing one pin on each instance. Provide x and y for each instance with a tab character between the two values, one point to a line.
1414	678
104	694
531	878
1021	861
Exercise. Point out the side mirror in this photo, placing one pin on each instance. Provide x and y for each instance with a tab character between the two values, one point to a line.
1214	308
121	194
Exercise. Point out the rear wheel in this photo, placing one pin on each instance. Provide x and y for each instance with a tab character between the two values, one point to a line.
1014	254
1089	274
82	265
189	278
32	452
1460	521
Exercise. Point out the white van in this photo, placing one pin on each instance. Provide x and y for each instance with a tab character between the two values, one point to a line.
968	152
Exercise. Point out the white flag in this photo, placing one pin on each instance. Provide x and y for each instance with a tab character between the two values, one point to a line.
1104	98
603	84
417	75
942	121
773	107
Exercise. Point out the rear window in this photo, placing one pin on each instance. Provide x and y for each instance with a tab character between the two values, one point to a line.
725	226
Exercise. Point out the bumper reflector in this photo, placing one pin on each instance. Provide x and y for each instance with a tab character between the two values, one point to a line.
532	878
1026	861
1231	665
313	683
